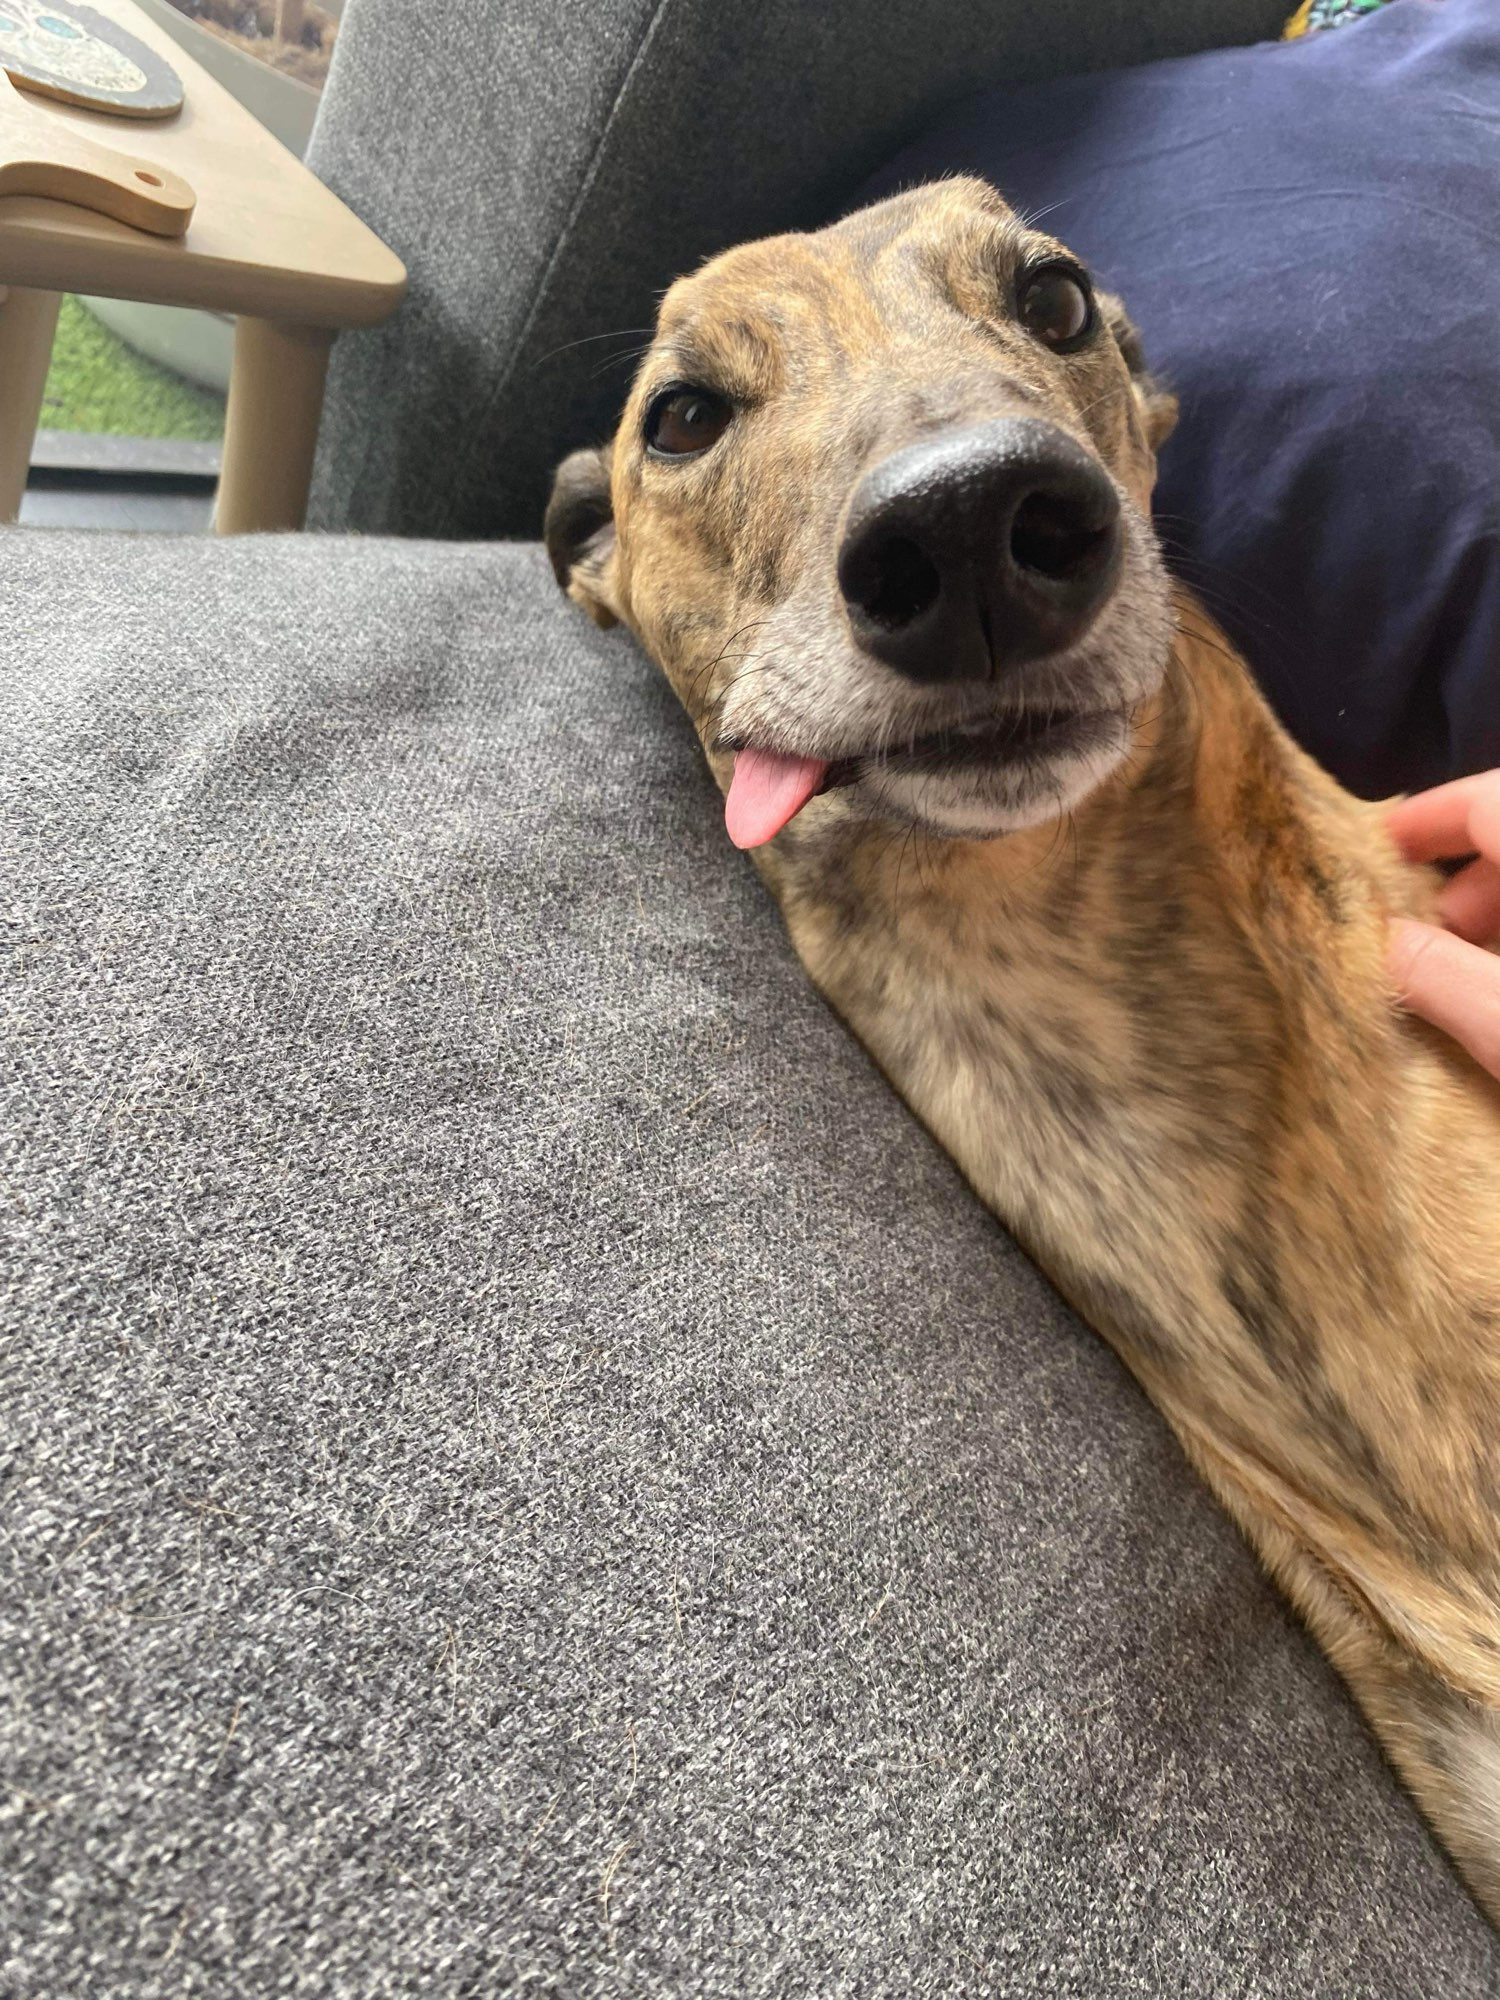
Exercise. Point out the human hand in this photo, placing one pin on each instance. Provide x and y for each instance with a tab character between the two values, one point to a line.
1440	974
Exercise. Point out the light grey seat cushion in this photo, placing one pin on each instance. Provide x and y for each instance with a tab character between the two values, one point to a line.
524	1470
547	167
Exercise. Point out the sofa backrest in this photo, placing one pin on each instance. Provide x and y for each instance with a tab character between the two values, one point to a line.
546	167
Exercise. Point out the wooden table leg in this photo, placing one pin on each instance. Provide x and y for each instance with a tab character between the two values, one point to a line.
28	321
271	428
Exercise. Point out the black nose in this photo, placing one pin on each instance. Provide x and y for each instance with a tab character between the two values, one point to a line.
975	551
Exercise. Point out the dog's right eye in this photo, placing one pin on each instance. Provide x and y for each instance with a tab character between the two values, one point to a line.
1055	304
681	422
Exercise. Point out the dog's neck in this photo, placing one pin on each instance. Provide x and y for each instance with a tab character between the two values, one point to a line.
1216	835
1160	1040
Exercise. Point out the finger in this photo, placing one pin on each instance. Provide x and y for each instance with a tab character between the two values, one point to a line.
1453	985
1484	817
1470	904
1436	825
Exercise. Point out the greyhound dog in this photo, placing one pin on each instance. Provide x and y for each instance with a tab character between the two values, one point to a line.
879	506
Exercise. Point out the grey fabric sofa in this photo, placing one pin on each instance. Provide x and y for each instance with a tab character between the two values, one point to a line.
524	1470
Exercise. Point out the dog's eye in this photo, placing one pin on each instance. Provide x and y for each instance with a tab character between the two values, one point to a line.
682	422
1054	304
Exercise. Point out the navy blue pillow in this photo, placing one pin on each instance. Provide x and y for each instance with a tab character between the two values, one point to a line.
1308	236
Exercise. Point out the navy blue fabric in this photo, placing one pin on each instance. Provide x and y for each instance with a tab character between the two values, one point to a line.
1308	235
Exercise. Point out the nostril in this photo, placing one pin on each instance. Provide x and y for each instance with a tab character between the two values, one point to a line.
893	582
1054	538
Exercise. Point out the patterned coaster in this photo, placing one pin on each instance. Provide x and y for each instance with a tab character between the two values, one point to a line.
70	52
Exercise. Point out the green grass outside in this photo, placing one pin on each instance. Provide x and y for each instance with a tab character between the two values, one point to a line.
97	383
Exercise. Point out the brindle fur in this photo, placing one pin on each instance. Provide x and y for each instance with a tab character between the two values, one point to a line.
1155	1030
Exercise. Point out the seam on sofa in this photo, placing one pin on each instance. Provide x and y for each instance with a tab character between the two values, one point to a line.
396	161
585	186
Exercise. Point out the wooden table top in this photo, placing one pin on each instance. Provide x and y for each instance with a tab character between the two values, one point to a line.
267	238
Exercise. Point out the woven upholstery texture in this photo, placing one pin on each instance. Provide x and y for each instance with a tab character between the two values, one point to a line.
523	1469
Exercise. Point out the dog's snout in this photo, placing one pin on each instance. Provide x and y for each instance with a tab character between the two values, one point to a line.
973	552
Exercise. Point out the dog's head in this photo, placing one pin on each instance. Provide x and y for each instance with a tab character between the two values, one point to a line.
879	506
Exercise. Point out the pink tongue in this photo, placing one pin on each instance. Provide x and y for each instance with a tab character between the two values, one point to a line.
768	790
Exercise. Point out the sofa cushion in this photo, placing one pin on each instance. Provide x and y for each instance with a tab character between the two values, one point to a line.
1305	234
525	1470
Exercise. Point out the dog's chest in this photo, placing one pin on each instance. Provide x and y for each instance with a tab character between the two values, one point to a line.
1045	1069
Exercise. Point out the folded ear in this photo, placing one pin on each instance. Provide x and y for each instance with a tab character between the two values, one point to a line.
1157	404
580	533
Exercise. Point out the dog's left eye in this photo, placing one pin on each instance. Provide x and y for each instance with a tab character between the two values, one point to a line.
1054	304
682	422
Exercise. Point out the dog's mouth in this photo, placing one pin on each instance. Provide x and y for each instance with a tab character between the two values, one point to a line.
770	787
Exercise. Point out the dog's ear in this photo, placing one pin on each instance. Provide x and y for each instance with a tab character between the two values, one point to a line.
1156	403
580	533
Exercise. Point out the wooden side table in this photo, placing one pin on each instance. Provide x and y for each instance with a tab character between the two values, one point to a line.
267	242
